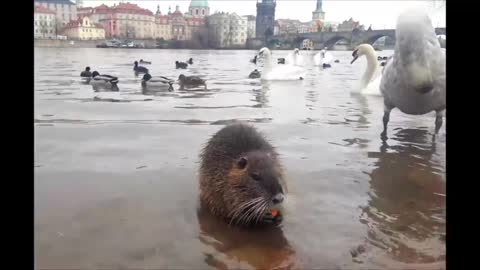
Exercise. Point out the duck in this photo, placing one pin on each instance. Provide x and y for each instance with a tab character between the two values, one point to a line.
190	82
181	65
190	61
139	69
104	81
370	82
145	62
160	82
287	72
414	78
337	61
323	58
255	74
86	75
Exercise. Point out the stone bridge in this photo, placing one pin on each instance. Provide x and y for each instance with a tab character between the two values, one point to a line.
328	39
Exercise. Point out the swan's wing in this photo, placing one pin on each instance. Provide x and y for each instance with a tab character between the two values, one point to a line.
317	59
373	88
328	58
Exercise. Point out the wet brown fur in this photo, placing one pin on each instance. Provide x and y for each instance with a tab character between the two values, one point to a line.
223	185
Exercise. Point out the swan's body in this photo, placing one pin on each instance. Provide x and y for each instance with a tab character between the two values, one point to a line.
323	58
294	58
279	72
414	79
370	82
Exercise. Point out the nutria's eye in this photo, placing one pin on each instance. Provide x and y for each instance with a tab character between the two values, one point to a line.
255	176
242	163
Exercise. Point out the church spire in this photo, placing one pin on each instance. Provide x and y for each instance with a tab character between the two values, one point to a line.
319	6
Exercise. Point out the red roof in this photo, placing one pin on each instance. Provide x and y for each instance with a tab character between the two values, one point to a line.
78	22
41	9
123	8
131	8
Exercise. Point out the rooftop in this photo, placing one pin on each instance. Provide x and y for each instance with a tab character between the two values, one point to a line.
199	3
40	9
65	2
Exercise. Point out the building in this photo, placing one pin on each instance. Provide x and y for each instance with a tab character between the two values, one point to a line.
227	30
199	8
179	25
251	21
348	26
44	22
163	25
130	21
65	10
84	29
318	14
79	3
288	27
265	21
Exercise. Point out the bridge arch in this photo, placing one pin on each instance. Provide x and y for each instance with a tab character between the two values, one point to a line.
371	40
332	41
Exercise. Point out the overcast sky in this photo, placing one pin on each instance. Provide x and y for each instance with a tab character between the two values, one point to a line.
379	13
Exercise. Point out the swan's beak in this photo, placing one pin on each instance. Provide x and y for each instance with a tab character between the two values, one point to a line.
355	56
354	59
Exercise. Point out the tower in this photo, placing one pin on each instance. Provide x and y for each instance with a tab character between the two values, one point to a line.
158	10
318	14
199	8
79	3
265	21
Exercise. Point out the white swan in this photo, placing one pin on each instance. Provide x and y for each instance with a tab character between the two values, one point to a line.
370	82
279	72
294	58
414	79
323	58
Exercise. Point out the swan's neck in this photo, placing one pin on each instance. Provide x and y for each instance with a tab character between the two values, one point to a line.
372	65
267	66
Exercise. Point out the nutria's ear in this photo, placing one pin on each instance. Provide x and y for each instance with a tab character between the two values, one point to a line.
242	163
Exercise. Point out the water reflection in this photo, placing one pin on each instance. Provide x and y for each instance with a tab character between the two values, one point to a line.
406	211
235	248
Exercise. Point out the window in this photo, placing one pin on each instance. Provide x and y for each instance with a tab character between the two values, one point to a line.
196	11
203	11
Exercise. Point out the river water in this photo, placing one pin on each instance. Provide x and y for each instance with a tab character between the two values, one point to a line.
116	183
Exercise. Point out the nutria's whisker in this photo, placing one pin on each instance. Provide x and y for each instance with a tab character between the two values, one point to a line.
261	212
257	207
242	207
248	213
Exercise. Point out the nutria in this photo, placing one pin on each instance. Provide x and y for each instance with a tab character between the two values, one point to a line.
241	178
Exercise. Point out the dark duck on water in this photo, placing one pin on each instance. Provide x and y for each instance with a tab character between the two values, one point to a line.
139	69
181	65
190	82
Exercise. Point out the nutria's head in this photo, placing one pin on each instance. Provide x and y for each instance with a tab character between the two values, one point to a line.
254	191
181	78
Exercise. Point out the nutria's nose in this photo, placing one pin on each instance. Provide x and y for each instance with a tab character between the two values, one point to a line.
278	198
